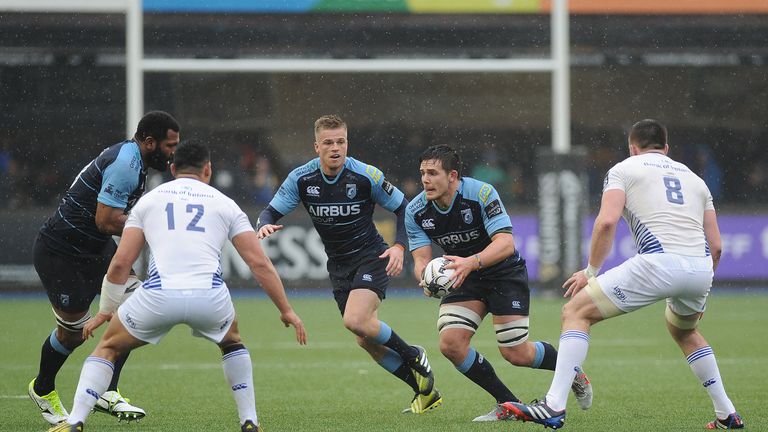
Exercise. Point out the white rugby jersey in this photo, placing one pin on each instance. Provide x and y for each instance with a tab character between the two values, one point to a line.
665	204
186	223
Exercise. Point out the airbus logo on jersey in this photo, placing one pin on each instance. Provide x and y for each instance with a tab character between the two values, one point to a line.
313	190
334	210
455	239
428	224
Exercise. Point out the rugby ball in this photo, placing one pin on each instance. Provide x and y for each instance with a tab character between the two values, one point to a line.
437	278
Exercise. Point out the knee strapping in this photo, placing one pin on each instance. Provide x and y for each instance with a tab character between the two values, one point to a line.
679	322
232	348
512	333
72	326
457	317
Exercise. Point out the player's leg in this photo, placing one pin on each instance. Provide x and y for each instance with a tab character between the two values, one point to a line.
238	370
578	315
368	287
376	337
682	318
457	324
92	270
212	315
702	361
98	370
59	275
366	283
508	300
599	300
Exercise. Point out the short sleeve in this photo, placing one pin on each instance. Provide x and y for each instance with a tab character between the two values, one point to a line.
614	179
709	204
119	180
287	196
383	192
135	218
495	217
416	236
240	222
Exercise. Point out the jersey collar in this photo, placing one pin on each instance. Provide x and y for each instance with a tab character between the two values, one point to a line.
338	176
453	200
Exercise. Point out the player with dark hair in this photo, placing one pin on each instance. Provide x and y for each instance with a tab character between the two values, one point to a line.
466	218
74	247
186	223
672	217
340	194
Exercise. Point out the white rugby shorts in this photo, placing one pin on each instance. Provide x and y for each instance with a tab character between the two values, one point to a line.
149	315
645	279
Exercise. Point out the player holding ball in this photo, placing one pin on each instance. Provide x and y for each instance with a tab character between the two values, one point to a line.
467	219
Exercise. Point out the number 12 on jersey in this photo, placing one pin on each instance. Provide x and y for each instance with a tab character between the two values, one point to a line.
674	192
198	211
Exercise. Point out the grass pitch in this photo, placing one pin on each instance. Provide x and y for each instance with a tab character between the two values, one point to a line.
641	380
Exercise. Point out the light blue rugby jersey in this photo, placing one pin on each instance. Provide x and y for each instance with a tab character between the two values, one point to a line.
341	208
466	227
116	178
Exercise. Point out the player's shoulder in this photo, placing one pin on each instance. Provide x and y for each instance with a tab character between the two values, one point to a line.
365	169
418	203
476	190
124	155
307	168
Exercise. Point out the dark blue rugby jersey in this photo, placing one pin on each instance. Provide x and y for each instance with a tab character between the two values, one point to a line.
115	178
465	228
341	208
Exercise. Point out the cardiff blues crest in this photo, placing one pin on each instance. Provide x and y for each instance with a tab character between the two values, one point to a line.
351	190
466	215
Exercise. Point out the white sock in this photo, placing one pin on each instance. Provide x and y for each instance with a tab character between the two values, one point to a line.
704	366
239	373
571	353
94	380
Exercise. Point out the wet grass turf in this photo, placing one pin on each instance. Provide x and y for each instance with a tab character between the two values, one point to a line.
641	380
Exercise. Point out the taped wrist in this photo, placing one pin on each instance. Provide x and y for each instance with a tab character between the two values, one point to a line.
112	294
591	271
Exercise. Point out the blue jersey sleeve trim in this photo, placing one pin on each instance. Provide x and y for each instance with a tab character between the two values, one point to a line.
120	178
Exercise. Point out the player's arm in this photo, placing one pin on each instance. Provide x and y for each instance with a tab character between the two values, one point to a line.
266	223
603	232
421	257
119	180
110	220
285	200
117	279
712	235
247	245
396	252
418	241
501	247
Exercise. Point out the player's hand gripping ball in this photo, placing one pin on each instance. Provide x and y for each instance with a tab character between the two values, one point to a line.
437	278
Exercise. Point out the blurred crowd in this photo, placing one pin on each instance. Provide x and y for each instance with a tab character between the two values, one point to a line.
733	166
